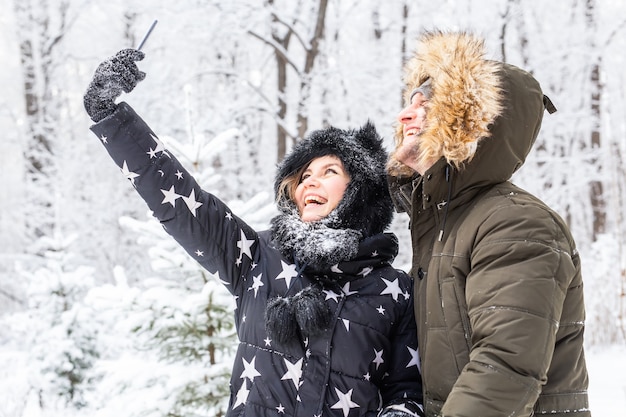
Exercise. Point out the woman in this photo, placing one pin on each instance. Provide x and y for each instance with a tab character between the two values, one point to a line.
325	323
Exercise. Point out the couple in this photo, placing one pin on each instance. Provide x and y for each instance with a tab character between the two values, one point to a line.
327	327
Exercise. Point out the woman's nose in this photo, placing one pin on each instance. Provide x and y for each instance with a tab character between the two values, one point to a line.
310	181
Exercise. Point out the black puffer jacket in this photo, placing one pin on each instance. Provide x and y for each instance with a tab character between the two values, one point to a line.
372	338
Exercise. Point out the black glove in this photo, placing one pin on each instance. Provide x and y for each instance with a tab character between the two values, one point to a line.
112	77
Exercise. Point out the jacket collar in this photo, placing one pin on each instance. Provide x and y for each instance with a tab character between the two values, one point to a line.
319	248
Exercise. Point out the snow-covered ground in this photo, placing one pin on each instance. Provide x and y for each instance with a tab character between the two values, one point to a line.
607	381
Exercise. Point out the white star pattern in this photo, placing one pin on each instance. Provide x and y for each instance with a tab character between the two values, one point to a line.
159	145
152	153
242	395
249	371
268	341
245	244
345	402
381	310
104	139
346	289
128	174
367	376
374	254
229	215
280	409
200	253
365	271
294	372
170	196
256	284
331	295
346	323
179	175
379	358
288	272
191	202
415	357
393	288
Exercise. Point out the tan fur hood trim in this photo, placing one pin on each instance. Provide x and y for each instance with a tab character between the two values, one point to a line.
466	96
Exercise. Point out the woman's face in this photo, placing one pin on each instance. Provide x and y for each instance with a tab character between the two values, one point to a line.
321	188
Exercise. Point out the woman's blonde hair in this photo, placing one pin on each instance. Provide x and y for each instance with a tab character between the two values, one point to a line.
287	187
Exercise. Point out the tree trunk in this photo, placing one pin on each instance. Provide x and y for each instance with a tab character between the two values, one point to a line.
305	78
36	45
281	86
596	190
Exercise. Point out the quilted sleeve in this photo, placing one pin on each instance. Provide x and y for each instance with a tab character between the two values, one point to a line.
202	224
521	269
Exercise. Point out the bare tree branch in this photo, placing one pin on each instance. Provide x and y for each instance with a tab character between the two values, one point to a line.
277	48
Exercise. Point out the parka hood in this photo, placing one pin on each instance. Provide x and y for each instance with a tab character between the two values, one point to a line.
482	116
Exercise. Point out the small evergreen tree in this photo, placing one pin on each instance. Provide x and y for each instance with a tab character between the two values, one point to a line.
187	321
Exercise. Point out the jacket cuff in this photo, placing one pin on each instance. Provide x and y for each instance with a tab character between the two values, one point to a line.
406	408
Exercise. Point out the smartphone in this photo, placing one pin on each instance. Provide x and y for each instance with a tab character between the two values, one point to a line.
145	38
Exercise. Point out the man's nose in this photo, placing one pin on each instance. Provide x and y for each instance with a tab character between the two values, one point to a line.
406	115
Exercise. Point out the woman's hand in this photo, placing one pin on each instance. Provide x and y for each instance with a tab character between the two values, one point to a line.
112	77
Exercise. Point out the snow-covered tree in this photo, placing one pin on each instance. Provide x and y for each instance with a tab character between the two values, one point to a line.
54	333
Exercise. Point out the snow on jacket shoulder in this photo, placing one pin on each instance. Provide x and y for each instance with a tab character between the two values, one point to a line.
374	361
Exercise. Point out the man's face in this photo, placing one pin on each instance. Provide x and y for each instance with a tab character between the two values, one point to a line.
412	119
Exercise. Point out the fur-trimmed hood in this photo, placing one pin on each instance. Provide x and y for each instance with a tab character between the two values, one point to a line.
366	206
482	117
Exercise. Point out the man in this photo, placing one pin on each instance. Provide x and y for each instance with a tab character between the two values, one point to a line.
499	295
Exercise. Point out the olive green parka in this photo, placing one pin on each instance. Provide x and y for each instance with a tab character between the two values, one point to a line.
498	288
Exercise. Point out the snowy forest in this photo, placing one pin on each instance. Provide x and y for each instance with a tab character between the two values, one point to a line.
102	314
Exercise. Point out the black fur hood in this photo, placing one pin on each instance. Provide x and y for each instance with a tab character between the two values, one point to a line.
366	208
